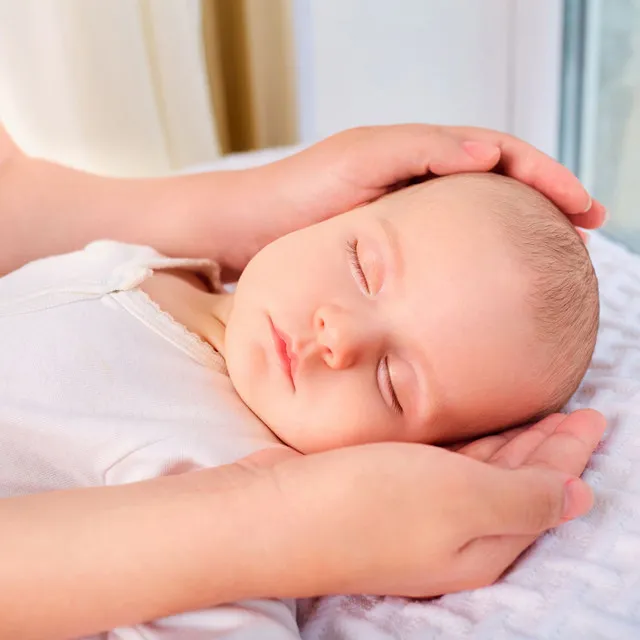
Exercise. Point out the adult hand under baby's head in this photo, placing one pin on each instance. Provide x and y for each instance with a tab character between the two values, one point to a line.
430	315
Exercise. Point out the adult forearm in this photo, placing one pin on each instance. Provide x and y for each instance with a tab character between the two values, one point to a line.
48	209
401	519
77	562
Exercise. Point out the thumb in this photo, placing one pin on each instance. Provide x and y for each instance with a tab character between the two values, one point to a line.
532	500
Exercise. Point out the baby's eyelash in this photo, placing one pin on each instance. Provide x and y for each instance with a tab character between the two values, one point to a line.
352	249
395	403
385	385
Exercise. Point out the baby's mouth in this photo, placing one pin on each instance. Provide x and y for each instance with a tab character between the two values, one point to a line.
287	359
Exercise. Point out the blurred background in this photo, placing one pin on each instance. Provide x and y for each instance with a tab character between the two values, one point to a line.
151	87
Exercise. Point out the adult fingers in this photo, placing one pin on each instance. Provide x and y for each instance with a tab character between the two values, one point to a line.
566	443
514	452
544	491
593	218
524	501
509	448
483	448
564	450
516	507
569	448
485	559
555	451
424	149
524	162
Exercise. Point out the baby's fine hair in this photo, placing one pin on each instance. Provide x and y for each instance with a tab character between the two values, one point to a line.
564	292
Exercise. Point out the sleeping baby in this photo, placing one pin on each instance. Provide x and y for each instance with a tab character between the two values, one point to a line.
435	314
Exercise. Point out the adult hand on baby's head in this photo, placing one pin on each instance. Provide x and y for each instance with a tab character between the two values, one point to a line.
529	165
361	164
415	520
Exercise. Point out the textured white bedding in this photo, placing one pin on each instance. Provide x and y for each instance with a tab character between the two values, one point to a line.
579	582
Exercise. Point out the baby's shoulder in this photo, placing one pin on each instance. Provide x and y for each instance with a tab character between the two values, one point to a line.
100	267
95	261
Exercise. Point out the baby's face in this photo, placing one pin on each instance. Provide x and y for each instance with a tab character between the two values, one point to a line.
403	320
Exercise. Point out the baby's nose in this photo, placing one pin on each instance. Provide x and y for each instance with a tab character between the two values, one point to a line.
337	337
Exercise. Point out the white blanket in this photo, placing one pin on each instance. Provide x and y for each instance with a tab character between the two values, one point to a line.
579	582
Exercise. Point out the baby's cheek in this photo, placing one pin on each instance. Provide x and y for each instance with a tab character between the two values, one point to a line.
373	423
325	425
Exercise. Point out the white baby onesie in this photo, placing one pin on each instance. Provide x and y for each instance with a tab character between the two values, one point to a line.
98	386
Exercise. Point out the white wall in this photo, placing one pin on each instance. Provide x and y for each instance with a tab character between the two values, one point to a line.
475	62
112	86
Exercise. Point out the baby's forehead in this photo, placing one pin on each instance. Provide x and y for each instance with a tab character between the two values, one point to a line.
451	206
453	241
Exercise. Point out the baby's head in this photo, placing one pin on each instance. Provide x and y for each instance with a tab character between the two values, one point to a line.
440	312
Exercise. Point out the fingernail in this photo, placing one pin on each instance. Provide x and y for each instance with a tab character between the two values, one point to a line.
574	501
606	216
480	150
589	204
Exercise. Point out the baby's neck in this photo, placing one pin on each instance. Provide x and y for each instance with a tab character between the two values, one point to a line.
184	296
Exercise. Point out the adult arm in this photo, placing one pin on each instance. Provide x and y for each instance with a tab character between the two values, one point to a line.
228	216
400	519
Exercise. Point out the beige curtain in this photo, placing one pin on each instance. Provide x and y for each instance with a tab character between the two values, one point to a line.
250	59
126	87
